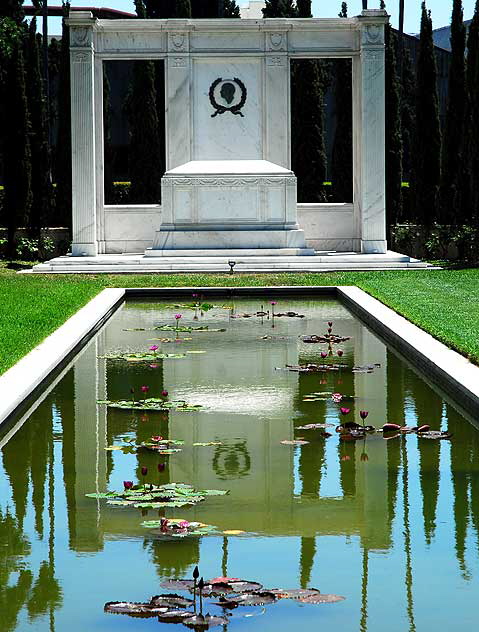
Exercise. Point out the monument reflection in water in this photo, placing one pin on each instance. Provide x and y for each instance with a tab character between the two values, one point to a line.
391	525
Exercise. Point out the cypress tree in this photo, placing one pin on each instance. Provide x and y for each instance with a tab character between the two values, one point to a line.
108	154
13	9
279	9
408	110
308	152
453	146
163	9
393	132
342	157
40	150
471	185
63	158
427	144
231	9
17	172
145	155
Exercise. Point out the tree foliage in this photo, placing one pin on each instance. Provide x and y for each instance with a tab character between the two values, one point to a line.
17	172
342	158
453	142
427	145
42	190
63	162
279	9
393	132
309	80
471	162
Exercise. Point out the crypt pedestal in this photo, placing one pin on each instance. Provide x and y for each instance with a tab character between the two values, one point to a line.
228	208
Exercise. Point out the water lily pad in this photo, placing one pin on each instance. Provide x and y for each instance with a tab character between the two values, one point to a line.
260	598
171	600
177	584
218	588
203	622
175	615
132	609
321	598
313	426
294	593
233	532
294	442
206	443
434	434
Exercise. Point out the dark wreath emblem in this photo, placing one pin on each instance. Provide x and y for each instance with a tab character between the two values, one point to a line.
228	92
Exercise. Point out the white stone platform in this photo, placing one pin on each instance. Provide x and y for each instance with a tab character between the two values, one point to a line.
137	264
209	206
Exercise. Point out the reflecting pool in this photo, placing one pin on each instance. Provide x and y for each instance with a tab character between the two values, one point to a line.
392	525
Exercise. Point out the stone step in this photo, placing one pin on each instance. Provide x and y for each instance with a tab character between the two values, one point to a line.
137	263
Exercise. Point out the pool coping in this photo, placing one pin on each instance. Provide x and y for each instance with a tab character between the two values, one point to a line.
452	372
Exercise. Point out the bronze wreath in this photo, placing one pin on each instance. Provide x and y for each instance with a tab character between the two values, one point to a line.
221	109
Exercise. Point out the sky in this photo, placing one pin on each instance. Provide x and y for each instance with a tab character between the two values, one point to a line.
440	10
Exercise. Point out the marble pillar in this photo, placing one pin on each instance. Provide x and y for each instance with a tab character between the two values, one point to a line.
370	133
82	83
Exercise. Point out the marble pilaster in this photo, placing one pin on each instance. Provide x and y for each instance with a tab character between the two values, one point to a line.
84	150
370	159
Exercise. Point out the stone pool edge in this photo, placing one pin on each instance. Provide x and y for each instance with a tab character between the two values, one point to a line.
30	374
448	369
456	376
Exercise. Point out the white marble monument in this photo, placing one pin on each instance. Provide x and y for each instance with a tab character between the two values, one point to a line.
228	187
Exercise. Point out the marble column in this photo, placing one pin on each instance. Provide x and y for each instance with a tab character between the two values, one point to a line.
276	108
83	134
370	120
179	115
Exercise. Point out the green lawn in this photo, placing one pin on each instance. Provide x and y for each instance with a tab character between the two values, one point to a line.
443	302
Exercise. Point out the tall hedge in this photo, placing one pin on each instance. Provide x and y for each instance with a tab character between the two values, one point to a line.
453	144
342	158
471	162
17	170
393	132
427	144
42	189
63	161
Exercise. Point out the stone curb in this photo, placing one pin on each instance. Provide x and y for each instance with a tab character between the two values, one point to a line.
28	375
453	373
449	370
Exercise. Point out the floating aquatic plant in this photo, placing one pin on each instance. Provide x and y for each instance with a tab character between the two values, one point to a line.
233	593
150	403
149	496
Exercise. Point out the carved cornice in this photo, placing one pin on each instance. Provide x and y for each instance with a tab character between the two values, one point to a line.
229	182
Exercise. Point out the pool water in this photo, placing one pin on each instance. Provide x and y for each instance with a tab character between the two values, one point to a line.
391	525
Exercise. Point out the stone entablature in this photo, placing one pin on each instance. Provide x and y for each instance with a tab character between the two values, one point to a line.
258	53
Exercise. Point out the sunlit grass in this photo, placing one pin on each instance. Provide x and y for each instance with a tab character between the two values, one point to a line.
443	302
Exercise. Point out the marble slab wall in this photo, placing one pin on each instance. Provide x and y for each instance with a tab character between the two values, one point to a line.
258	53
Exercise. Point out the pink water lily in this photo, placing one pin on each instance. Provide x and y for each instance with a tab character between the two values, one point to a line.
153	348
164	393
178	316
127	484
157	438
340	353
363	414
330	323
161	467
153	366
144	389
324	354
336	397
144	471
345	411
